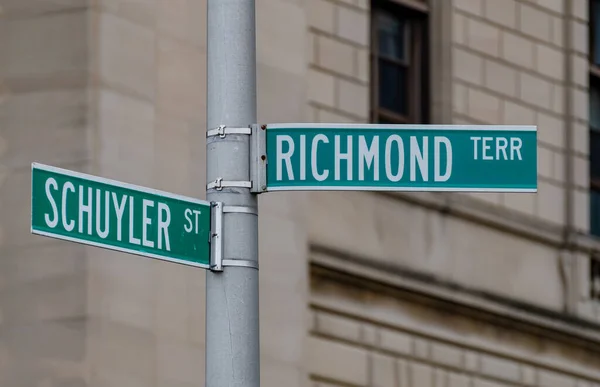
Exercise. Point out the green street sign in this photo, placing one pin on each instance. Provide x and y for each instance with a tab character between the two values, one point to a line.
361	157
118	216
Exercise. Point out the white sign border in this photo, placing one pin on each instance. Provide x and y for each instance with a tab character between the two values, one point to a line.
119	249
520	128
399	189
44	167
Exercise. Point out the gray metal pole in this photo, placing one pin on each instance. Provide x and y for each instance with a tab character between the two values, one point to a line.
232	329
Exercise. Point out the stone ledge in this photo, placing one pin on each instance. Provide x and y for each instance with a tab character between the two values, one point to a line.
484	305
500	218
27	9
500	318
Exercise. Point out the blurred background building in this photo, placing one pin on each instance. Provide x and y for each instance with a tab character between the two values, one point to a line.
357	289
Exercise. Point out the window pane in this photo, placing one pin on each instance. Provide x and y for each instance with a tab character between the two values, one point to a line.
383	120
596	33
595	154
594	106
392	87
595	213
391	35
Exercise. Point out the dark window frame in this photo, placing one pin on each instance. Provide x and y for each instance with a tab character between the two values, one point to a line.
415	14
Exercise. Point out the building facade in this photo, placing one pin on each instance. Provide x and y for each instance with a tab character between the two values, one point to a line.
357	288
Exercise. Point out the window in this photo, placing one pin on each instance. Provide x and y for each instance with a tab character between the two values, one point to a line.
399	65
595	278
594	102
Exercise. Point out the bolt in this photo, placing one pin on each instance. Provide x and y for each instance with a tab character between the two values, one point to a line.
264	188
263	157
263	127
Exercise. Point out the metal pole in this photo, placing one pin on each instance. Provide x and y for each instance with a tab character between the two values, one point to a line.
232	329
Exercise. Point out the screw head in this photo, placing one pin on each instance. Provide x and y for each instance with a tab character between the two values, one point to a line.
263	157
263	127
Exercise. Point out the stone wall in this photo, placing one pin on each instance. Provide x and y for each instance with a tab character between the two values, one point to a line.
371	335
509	68
43	107
117	88
510	62
338	60
148	103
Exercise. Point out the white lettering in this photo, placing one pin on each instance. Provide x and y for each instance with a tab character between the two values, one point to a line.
163	224
438	140
313	158
420	157
475	139
339	156
287	157
146	221
87	208
187	214
102	233
486	147
501	144
51	182
120	210
369	156
68	225
515	147
132	238
303	157
197	213
394	138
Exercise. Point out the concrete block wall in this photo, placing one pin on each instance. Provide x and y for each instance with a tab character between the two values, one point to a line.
526	62
509	64
338	58
147	112
509	61
368	337
148	104
504	71
117	89
43	65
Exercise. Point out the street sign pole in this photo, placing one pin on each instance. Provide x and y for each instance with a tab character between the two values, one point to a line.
232	329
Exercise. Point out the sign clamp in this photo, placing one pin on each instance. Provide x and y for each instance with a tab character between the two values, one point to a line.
217	262
240	210
258	158
216	237
257	174
219	184
224	130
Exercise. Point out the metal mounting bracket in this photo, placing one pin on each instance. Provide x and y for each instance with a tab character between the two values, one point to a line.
240	263
258	158
224	130
217	262
240	210
219	184
216	237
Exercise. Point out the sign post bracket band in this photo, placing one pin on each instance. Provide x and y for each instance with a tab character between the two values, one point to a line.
258	158
240	263
240	210
219	184
224	130
217	262
216	237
